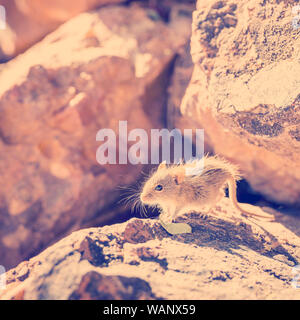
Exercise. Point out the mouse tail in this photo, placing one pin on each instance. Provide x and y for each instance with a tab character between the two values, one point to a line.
232	195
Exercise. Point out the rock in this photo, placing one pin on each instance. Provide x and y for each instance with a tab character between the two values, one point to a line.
30	20
183	69
95	286
137	232
226	257
181	76
245	93
98	68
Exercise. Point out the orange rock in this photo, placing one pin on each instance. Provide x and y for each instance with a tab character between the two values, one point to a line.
28	21
53	100
245	93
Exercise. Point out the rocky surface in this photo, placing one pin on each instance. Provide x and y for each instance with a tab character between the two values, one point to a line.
245	90
30	20
226	257
98	68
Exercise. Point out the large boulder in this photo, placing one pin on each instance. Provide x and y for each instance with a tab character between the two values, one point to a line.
98	68
29	20
245	90
225	257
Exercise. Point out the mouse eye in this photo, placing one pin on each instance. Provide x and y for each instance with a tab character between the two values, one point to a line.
159	187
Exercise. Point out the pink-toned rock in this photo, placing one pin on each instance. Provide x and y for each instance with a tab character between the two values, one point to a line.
96	69
95	286
245	90
225	257
30	20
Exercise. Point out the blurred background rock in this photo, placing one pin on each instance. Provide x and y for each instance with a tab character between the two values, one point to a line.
113	63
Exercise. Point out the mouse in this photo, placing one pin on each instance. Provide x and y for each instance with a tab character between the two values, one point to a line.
196	185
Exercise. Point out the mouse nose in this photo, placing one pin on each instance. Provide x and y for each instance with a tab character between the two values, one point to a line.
143	197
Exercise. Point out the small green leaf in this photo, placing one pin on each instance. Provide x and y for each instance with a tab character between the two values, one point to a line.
176	228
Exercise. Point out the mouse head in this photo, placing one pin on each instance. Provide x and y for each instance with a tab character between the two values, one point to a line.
163	186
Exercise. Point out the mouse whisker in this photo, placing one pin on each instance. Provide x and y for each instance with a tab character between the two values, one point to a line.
126	200
129	196
145	211
142	209
136	205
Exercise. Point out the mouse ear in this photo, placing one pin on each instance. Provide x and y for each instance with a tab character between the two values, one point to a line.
162	165
179	176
